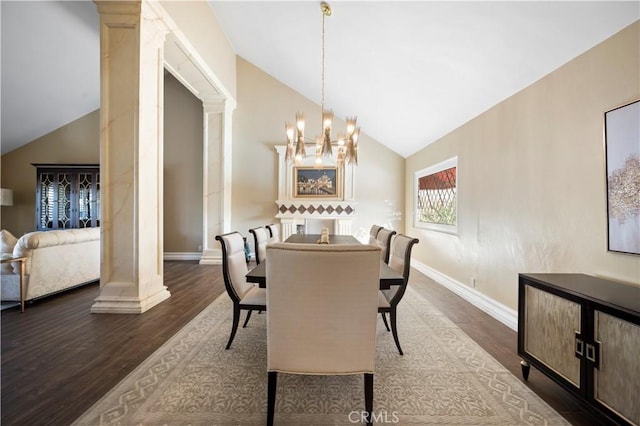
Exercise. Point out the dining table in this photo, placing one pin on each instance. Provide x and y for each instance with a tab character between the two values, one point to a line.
388	276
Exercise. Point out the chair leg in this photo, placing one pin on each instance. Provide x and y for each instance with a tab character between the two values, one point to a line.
384	319
368	397
272	380
394	329
234	327
247	319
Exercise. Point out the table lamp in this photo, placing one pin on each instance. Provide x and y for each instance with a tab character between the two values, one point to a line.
6	197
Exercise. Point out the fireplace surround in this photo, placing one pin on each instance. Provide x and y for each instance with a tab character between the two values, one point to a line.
309	214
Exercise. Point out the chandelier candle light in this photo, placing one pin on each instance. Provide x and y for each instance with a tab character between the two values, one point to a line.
347	144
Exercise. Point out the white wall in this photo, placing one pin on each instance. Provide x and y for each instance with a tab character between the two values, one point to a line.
531	179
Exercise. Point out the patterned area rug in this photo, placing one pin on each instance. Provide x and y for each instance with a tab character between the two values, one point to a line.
444	378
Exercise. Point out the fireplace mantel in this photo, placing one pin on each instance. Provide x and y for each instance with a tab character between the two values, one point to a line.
299	212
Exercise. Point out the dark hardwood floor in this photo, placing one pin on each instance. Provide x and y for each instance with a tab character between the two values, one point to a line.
502	343
58	358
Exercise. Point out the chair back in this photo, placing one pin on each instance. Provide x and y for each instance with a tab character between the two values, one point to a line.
274	233
400	261
384	242
260	239
234	265
373	232
322	302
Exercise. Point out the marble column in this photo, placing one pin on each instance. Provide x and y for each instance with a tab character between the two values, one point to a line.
131	157
216	178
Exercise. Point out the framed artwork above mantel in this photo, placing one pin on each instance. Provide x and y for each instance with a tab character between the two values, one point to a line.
311	182
288	176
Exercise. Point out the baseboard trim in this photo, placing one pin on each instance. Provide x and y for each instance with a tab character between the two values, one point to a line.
497	310
196	255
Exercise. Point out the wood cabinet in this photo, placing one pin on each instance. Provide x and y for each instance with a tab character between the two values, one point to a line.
584	333
67	196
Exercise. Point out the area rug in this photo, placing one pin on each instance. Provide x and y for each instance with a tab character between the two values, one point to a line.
444	378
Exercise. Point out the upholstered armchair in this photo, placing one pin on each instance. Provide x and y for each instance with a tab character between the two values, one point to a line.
260	240
322	302
244	295
384	242
274	233
400	261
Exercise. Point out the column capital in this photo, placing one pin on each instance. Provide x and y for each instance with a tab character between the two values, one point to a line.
133	11
215	106
108	7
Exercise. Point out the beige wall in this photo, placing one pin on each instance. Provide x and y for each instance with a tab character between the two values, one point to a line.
264	104
182	168
531	178
76	143
79	142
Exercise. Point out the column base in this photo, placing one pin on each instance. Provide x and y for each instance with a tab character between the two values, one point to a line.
128	305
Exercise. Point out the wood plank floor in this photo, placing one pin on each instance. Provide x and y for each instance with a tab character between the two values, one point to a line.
58	358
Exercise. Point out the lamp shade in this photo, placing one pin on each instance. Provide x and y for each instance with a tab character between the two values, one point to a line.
6	197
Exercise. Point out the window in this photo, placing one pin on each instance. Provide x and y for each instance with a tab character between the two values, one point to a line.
436	196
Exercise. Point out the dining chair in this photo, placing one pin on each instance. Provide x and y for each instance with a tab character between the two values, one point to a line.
384	242
373	232
274	233
260	240
400	261
245	296
321	307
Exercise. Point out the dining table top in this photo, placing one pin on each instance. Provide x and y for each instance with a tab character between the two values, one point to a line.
314	238
388	276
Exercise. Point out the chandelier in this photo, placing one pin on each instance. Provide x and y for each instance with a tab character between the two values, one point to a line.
347	143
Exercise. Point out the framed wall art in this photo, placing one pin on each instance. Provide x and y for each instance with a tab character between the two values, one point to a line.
310	182
622	157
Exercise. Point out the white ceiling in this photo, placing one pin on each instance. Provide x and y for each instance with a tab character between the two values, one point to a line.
411	71
414	71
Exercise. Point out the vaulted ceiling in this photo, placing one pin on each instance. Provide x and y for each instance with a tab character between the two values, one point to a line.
50	67
411	71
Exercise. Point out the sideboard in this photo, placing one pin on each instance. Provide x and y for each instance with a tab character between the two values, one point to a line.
584	333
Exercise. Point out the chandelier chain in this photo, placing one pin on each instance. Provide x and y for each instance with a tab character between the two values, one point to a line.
347	144
323	16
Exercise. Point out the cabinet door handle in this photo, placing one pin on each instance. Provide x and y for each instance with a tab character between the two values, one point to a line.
579	346
593	354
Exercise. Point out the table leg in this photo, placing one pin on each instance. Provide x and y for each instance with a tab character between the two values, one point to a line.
22	271
524	365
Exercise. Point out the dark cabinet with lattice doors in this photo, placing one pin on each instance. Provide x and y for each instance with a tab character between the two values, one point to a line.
67	196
